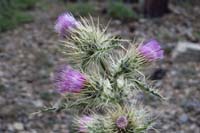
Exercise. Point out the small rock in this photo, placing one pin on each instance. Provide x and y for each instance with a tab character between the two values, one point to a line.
142	20
24	132
33	131
38	103
1	74
117	22
2	101
18	126
183	118
191	105
10	127
7	110
186	51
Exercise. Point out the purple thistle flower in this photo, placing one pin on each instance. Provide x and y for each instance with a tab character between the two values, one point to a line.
69	80
84	122
65	23
151	50
122	122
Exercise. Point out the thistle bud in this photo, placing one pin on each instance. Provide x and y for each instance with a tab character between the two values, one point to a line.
122	122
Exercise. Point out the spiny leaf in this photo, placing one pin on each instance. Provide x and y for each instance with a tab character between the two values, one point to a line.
146	89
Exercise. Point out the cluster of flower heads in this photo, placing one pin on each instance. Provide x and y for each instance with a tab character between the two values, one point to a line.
126	120
99	85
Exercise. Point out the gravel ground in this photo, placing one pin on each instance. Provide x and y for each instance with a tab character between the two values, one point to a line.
28	56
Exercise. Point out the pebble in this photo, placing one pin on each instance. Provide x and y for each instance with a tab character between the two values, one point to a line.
10	127
2	101
183	118
186	51
18	126
189	105
38	103
117	22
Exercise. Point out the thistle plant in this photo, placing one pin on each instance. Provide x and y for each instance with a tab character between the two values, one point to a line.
100	76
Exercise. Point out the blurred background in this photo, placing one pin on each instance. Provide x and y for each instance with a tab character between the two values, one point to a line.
28	56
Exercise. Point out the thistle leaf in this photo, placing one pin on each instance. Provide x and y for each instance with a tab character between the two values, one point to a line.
143	87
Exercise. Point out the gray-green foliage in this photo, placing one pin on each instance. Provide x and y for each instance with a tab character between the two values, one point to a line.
81	8
12	13
119	10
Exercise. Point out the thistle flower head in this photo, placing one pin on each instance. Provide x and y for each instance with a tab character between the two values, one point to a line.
129	119
89	45
84	122
151	50
122	122
69	80
65	23
115	120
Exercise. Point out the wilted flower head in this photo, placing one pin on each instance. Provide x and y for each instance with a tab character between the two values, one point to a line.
122	122
65	23
151	50
84	122
69	80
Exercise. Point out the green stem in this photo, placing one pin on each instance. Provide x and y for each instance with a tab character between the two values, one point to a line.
117	74
105	68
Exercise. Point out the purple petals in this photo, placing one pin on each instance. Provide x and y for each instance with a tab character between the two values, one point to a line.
151	50
65	23
69	80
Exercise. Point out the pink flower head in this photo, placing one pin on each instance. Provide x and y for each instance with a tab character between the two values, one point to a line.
122	122
84	122
65	23
151	50
69	80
